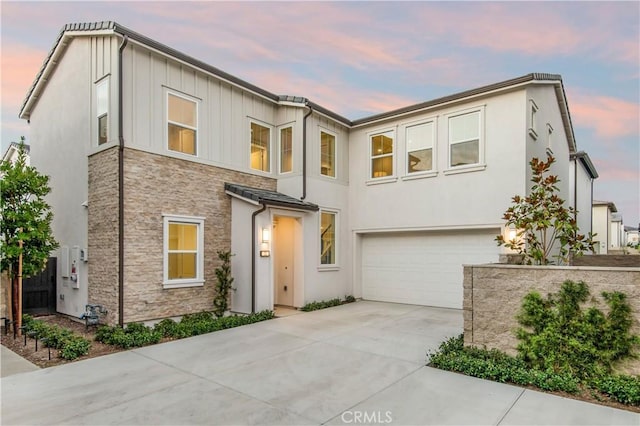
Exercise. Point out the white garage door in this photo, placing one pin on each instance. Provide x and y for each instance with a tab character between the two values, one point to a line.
423	268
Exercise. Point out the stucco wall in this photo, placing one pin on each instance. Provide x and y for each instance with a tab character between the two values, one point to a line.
493	296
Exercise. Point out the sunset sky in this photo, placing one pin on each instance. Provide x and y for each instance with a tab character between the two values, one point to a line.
361	58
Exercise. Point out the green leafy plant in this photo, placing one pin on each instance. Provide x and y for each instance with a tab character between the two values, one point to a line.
314	306
205	322
543	224
223	284
25	223
557	335
133	335
71	346
625	389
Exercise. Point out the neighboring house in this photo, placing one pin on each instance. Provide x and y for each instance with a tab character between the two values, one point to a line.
582	173
602	218
190	160
617	232
632	236
11	154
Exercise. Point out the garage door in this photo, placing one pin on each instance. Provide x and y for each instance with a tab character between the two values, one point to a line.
422	268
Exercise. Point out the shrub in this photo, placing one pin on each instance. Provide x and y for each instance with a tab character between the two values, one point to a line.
314	306
70	345
223	284
624	389
205	322
134	335
558	336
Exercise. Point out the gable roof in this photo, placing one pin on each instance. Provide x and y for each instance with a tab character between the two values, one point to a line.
608	204
111	27
265	196
586	163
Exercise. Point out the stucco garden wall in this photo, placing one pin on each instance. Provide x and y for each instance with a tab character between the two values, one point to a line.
493	296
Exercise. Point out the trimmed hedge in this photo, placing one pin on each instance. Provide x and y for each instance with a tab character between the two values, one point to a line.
71	346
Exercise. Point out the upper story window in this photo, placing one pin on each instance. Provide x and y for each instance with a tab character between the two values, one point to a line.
381	154
183	251
260	147
286	149
327	237
420	146
533	127
327	154
464	139
102	110
182	124
549	136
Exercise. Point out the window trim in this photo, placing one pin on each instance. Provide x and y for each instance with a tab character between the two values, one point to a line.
103	81
322	130
279	130
270	149
336	265
196	101
199	280
382	179
533	109
480	165
434	150
549	136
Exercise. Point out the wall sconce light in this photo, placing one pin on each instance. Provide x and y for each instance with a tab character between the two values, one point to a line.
512	234
266	235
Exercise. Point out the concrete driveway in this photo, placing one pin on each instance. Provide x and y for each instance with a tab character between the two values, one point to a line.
352	364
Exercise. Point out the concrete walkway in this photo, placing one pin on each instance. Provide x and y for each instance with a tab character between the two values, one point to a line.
353	364
11	363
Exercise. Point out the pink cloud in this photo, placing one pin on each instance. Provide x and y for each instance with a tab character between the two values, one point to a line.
20	65
609	117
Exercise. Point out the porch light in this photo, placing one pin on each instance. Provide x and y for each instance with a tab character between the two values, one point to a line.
266	235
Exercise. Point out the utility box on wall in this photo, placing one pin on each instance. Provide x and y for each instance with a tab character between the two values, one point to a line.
74	267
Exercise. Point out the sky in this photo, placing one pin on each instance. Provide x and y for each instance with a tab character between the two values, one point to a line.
362	58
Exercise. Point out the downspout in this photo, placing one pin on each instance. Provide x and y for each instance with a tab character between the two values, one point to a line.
253	256
121	187
575	193
304	151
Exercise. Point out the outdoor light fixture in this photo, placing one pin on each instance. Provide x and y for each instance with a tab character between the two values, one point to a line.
266	235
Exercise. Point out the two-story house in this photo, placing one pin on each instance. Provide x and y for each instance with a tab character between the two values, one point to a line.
158	160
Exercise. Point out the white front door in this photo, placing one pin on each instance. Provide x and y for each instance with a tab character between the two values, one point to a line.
284	232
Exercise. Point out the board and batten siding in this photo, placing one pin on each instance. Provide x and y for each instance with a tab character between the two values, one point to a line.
223	109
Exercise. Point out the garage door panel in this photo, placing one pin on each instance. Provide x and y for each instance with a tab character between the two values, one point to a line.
422	268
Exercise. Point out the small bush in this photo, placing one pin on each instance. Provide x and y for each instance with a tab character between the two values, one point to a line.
206	322
557	335
132	336
624	389
314	306
70	345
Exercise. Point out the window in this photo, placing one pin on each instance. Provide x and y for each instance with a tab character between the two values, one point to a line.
420	147
549	136
327	154
382	155
182	124
533	128
260	147
286	149
183	248
102	111
327	238
464	139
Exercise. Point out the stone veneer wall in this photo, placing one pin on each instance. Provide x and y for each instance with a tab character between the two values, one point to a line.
157	185
493	295
103	231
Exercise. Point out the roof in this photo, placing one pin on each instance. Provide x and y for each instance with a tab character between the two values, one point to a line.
267	197
586	162
110	27
14	147
609	204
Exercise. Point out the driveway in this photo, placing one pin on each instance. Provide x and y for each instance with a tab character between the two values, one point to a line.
353	364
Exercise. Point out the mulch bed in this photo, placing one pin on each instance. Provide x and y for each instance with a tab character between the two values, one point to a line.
41	357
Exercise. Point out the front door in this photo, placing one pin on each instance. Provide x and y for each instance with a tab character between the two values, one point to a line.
284	231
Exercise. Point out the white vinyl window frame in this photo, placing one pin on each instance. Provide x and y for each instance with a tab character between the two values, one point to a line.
336	236
198	281
549	136
102	89
533	125
269	148
434	149
335	152
480	165
371	180
168	93
279	130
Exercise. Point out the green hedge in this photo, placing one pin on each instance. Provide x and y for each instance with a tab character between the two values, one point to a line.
314	306
71	346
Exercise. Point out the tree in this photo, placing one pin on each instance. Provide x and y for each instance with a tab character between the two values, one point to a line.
223	284
25	224
542	222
